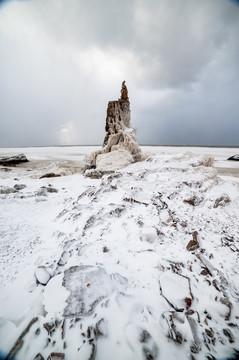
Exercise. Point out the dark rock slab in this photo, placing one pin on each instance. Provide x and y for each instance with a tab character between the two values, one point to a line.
56	356
234	157
49	175
13	160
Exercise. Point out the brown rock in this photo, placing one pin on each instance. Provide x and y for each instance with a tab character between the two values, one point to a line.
105	249
194	201
193	244
124	91
188	302
56	356
222	201
49	175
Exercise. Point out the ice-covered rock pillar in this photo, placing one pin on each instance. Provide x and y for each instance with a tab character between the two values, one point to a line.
118	118
119	147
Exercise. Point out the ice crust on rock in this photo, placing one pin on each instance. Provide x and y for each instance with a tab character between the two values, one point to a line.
113	160
88	285
120	147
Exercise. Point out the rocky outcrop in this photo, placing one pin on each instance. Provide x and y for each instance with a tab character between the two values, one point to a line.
234	157
119	147
13	160
49	175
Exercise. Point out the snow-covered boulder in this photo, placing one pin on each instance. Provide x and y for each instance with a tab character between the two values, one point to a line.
43	275
114	160
13	160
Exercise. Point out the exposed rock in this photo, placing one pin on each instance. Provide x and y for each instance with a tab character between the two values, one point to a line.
95	174
38	357
51	189
50	327
194	201
19	186
105	249
49	175
193	244
229	335
173	332
120	147
44	190
13	160
142	342
124	92
56	356
222	201
230	242
234	157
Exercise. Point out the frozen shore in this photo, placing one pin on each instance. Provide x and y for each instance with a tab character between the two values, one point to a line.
71	159
141	264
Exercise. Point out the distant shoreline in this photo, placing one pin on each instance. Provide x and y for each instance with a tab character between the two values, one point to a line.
152	145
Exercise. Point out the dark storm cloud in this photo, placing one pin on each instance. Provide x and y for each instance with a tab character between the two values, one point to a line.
62	60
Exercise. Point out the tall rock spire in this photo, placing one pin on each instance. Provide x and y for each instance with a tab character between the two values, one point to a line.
119	147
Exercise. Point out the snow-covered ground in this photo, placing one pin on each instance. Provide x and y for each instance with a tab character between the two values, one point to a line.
140	264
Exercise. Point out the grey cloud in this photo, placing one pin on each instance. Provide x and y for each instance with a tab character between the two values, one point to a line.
178	39
62	60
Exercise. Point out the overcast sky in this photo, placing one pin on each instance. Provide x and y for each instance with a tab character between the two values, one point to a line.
61	61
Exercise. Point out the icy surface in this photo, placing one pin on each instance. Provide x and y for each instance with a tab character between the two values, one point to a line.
43	275
88	285
141	264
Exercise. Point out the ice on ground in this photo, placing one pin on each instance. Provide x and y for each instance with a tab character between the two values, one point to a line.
104	268
88	285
